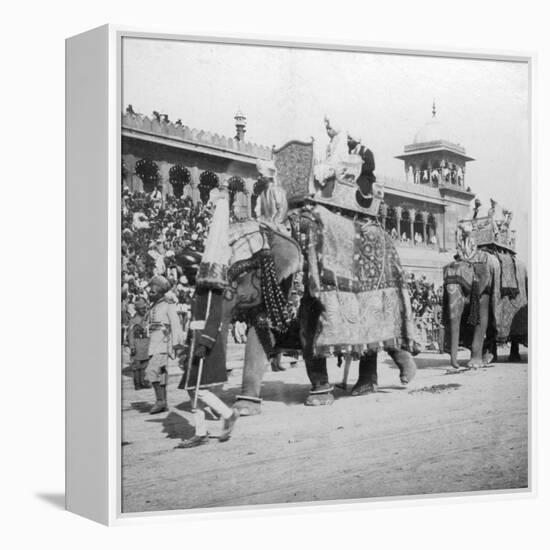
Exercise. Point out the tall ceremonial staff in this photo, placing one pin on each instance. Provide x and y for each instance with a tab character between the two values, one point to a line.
195	326
212	275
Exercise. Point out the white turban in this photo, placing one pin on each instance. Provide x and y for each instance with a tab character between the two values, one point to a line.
266	168
331	124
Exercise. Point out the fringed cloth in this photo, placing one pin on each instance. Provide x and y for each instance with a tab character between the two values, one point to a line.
272	317
217	252
355	273
466	275
508	276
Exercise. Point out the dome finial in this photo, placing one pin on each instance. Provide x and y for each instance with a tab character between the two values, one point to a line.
433	108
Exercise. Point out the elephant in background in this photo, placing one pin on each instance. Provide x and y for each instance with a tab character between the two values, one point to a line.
477	311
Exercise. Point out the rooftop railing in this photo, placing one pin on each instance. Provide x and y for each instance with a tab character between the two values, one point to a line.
181	132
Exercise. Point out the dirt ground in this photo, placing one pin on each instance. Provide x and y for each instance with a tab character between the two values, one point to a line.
442	433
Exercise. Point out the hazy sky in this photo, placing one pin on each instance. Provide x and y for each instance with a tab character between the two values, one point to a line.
384	99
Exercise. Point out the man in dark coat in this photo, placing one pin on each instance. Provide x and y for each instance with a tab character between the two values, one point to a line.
210	341
210	349
367	177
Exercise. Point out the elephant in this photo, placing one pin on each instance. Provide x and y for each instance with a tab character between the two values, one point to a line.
479	311
250	295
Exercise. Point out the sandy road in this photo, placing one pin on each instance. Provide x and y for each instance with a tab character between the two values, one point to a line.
443	433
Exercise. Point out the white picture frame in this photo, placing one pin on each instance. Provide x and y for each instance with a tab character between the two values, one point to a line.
93	350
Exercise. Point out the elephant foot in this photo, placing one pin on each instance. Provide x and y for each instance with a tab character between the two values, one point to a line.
320	397
408	372
487	359
248	406
455	365
475	364
514	358
406	364
362	388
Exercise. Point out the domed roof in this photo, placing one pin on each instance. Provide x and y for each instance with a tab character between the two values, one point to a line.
433	130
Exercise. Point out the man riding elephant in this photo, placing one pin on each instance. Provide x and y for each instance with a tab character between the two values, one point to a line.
485	299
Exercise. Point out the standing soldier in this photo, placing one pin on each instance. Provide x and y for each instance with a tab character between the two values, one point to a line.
165	338
138	340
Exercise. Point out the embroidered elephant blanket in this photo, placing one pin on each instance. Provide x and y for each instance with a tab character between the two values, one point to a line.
355	272
508	277
508	315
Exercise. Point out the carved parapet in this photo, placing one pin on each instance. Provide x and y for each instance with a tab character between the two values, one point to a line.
169	129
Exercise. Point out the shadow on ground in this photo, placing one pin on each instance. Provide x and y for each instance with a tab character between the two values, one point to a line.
279	391
174	426
141	406
57	500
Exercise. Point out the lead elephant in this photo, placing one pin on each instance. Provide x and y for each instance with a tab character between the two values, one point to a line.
373	292
485	302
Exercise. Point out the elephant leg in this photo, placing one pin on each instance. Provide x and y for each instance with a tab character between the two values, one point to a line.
255	362
368	375
456	308
321	390
479	333
407	365
514	356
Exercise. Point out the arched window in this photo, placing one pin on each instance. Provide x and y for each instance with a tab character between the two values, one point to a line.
208	180
424	172
148	171
259	186
418	228
124	173
391	221
235	185
406	226
431	230
179	176
238	201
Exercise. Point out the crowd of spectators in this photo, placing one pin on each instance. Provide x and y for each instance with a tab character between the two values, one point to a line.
165	235
426	304
418	238
161	235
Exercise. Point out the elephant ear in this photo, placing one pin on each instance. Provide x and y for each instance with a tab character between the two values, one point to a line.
286	255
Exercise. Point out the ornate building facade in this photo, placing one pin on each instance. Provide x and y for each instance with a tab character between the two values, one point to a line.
423	209
188	162
420	211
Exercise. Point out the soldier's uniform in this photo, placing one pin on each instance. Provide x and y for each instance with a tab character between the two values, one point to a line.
165	333
138	340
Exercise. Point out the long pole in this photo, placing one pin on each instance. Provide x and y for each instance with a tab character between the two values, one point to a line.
201	361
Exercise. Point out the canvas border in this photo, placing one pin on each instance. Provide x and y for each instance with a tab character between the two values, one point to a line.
116	35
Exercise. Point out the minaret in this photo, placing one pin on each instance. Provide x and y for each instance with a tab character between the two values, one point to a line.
240	125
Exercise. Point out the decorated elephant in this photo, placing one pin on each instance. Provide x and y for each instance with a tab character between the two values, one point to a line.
485	300
353	300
